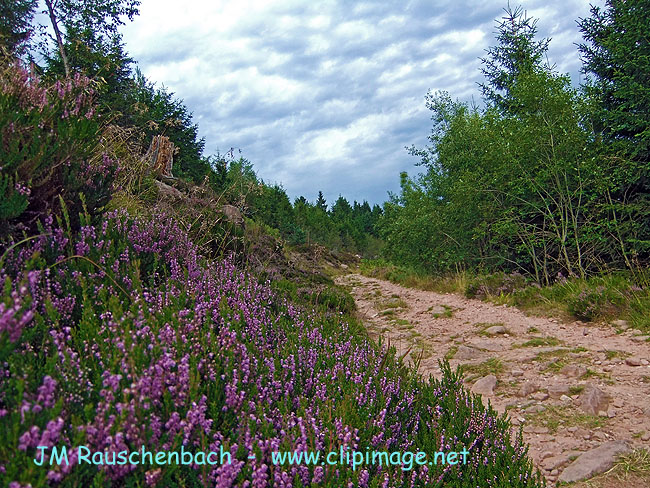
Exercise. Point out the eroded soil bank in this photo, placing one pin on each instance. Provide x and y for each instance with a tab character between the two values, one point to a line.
573	386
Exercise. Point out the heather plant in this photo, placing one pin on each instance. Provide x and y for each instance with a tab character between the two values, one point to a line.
122	335
49	139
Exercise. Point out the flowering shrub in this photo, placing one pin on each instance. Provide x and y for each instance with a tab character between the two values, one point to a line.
49	136
122	335
594	301
495	284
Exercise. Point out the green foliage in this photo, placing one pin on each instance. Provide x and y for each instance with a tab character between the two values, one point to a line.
14	203
156	111
49	139
616	57
483	286
15	23
103	17
521	185
346	227
516	53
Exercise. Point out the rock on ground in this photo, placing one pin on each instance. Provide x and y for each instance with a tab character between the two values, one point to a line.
593	400
485	386
465	353
557	390
594	462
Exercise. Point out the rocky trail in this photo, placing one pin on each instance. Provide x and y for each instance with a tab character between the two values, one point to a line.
580	391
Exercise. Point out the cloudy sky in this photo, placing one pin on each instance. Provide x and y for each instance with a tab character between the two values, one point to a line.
325	95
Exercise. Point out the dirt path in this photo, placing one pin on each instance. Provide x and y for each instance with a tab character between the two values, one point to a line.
573	386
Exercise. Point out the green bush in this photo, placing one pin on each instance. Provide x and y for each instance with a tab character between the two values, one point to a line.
495	285
49	139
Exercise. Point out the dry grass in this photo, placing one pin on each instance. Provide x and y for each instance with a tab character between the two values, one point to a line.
631	471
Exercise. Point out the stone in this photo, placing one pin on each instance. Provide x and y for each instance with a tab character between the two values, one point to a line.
438	310
633	362
232	214
593	400
621	324
540	396
527	388
517	373
487	345
581	433
557	390
168	191
565	398
465	353
645	437
594	462
573	370
485	385
555	462
535	409
641	338
496	329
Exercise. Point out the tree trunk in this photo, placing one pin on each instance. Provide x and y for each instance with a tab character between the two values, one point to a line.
59	41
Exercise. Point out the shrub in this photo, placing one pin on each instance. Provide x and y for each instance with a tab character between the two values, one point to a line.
122	335
495	284
49	136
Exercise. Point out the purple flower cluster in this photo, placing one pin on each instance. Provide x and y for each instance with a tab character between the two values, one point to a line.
153	345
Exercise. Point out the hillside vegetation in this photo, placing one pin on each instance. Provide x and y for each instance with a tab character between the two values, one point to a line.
156	298
142	310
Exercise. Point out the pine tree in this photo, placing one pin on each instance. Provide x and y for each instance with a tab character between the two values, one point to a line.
516	53
616	58
320	202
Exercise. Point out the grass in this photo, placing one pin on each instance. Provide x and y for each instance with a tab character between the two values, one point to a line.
595	374
448	313
611	354
403	323
576	390
393	302
557	353
555	416
448	283
490	366
557	365
604	297
449	355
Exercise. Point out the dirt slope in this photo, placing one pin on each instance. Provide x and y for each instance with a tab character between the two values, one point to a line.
550	374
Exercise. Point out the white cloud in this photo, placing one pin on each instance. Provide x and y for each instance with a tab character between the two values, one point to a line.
325	95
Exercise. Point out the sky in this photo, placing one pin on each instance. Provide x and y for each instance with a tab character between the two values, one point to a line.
326	95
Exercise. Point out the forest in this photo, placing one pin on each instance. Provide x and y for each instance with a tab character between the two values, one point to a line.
179	300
